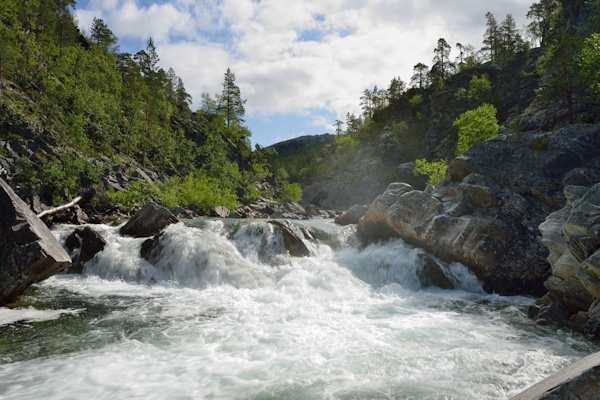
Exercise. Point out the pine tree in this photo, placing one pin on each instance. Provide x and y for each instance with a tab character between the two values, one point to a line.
442	60
230	103
102	36
491	38
541	15
419	79
510	39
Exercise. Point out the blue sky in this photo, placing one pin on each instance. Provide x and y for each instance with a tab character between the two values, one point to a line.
301	64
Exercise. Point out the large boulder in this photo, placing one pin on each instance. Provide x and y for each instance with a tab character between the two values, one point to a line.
148	221
485	214
28	250
572	236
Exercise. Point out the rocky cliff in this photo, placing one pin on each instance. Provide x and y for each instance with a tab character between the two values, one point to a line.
572	236
486	213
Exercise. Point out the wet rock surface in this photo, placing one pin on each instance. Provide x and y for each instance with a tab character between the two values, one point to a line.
83	244
148	221
28	250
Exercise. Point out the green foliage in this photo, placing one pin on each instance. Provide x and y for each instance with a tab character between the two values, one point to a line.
290	192
416	101
400	129
91	98
589	61
197	191
230	103
436	170
136	194
474	126
480	89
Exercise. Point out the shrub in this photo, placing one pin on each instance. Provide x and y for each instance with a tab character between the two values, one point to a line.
135	196
290	192
475	126
197	191
436	170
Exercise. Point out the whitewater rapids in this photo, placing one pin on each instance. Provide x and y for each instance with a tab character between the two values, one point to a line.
223	312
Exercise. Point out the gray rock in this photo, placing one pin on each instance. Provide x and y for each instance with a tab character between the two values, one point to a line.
487	217
148	221
352	216
432	273
295	240
29	251
219	212
571	235
83	244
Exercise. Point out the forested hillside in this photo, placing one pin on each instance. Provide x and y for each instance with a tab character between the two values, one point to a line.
540	78
77	113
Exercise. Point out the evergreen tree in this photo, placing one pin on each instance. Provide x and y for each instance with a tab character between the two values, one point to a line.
491	38
510	39
461	55
395	90
338	127
102	36
366	103
541	15
420	79
230	103
441	60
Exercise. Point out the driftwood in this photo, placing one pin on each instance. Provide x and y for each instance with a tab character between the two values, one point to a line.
59	208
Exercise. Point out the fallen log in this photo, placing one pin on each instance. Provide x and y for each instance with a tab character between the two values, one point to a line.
60	208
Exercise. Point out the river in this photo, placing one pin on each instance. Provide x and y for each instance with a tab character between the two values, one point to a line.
225	313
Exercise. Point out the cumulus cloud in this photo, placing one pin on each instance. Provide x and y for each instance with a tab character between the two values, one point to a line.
297	56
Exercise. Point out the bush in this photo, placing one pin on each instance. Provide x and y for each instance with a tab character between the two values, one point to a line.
290	192
475	126
197	191
436	170
136	195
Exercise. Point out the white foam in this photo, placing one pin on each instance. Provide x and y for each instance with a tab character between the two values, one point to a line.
219	322
30	314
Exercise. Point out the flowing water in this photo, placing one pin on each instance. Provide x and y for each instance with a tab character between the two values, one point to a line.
224	313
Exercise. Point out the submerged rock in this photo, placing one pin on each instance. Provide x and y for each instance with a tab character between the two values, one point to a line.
29	251
148	221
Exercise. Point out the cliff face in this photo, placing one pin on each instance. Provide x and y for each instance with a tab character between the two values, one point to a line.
487	212
572	236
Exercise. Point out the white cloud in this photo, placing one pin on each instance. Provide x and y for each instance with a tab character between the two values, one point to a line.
302	55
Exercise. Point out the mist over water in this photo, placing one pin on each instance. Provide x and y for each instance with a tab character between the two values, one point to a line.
223	312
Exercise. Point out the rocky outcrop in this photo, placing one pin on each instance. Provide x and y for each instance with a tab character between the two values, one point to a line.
148	221
486	213
83	244
28	250
572	236
352	216
579	380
